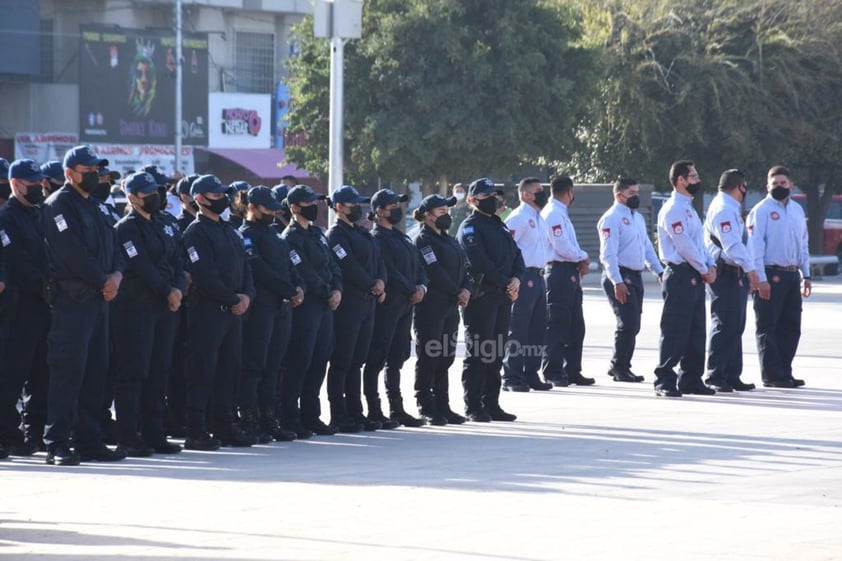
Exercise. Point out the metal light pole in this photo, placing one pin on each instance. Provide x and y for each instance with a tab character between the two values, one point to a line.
178	88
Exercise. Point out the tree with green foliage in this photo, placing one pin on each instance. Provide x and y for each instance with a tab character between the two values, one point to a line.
445	89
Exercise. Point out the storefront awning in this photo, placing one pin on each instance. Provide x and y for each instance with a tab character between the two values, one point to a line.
267	163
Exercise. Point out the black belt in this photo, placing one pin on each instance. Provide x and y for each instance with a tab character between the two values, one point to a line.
725	266
678	265
552	264
537	270
786	268
627	270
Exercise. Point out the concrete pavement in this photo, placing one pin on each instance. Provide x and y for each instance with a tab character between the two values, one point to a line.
602	472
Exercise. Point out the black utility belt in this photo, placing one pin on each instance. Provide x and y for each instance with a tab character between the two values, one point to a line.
536	270
725	267
552	264
784	268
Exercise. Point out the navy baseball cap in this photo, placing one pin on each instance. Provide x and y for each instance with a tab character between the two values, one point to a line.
160	177
207	184
4	168
262	195
27	170
53	170
302	194
280	192
183	185
82	156
385	197
430	202
112	174
347	194
141	182
240	186
482	186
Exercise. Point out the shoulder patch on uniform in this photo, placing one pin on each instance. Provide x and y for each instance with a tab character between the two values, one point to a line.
294	257
61	223
131	251
468	230
557	230
677	228
5	238
339	251
726	226
168	230
193	254
512	232
429	255
606	233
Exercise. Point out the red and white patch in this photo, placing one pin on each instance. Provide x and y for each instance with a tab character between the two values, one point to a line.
677	228
693	282
775	215
606	233
626	221
726	227
531	223
557	230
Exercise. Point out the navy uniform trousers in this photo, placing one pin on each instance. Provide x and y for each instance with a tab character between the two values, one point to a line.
778	323
486	320
436	324
390	347
353	324
628	317
526	331
565	332
266	334
728	298
682	328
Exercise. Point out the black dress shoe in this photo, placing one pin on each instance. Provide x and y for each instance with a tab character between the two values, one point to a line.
3	452
62	456
558	382
696	387
497	414
540	386
579	380
625	377
778	383
406	419
102	454
454	418
479	417
720	387
516	388
798	383
25	448
345	425
667	392
300	432
203	443
385	422
318	427
435	419
235	437
163	446
136	449
741	386
369	425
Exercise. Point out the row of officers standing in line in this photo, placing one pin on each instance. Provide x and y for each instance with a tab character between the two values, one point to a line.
251	320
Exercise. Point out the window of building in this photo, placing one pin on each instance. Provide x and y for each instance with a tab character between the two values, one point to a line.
47	50
254	62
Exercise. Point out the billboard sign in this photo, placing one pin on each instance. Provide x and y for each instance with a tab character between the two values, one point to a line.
239	120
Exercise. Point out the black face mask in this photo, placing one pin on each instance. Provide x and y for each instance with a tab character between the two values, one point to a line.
444	222
541	198
162	199
633	202
779	193
5	191
266	220
101	191
310	212
217	206
694	188
34	194
286	214
90	182
151	203
395	216
355	213
488	206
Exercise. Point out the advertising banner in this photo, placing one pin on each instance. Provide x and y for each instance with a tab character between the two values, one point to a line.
44	146
239	120
127	86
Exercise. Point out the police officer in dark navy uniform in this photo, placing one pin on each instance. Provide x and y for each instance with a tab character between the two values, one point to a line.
406	286
283	216
87	267
189	208
437	315
53	176
495	265
144	319
364	284
779	244
221	293
268	325
24	349
687	266
312	342
102	194
238	196
5	185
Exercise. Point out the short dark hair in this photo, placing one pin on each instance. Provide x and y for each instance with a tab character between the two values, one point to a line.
731	179
778	170
623	183
562	184
526	182
680	169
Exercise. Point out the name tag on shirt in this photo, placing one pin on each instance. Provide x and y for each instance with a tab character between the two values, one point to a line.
339	251
131	251
61	224
429	255
193	254
5	238
294	257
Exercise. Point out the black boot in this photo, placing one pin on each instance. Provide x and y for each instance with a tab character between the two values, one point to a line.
340	421
443	406
270	425
375	413
429	411
399	415
251	427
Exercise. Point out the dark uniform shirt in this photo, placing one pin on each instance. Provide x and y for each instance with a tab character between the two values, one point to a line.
24	253
402	261
493	256
359	259
81	246
275	278
217	261
309	253
153	260
112	216
445	265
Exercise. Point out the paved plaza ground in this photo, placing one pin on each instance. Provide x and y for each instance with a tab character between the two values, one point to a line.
607	472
